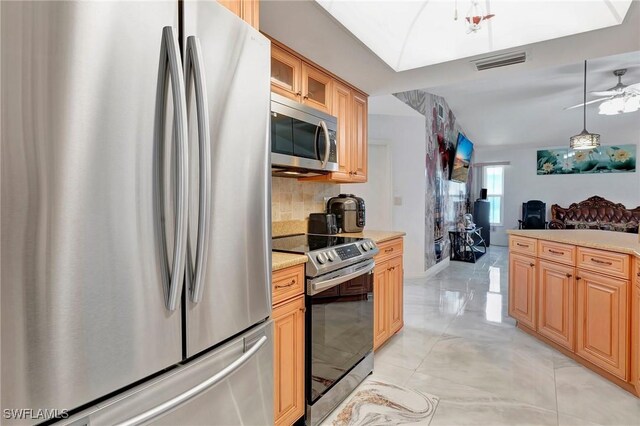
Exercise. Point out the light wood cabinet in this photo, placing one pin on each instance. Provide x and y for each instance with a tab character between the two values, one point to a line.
299	79
380	306
249	10
395	295
388	297
635	327
602	321
522	282
316	88
586	303
286	72
556	303
288	320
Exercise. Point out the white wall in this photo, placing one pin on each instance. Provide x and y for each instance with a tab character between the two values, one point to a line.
523	184
405	136
378	190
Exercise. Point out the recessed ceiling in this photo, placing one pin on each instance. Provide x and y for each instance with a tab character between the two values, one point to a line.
412	34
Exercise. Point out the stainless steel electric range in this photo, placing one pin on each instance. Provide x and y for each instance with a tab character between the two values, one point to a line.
339	316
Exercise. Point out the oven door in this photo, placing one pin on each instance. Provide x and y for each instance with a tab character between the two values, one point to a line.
339	325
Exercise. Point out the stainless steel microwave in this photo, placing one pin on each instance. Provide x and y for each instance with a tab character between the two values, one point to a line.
303	139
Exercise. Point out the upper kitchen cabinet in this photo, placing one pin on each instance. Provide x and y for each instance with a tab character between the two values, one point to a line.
249	10
299	79
286	71
316	88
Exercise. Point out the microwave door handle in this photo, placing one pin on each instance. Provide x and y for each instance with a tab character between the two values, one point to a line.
327	143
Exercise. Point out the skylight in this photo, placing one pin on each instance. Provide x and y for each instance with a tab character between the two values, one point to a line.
412	34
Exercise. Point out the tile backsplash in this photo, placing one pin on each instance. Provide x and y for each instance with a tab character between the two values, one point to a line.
294	200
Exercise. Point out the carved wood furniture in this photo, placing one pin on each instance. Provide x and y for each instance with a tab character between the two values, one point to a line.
595	213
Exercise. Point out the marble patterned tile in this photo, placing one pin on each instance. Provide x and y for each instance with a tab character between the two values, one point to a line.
584	394
466	405
376	402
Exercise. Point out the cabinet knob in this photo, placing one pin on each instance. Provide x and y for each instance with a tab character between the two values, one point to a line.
306	96
569	275
299	94
532	264
578	278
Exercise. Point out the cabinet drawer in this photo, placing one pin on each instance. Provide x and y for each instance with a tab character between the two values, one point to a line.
523	245
389	249
557	252
604	262
287	283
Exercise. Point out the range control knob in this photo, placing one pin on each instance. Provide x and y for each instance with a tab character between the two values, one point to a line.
330	256
321	258
364	246
371	245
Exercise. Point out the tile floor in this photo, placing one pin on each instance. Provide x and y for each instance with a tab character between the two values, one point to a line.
459	344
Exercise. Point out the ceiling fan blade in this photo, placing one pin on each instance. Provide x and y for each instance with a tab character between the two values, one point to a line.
635	86
605	93
588	103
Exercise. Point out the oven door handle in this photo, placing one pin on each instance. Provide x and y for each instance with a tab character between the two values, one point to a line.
320	285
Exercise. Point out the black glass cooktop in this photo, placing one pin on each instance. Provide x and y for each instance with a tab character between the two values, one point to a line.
305	243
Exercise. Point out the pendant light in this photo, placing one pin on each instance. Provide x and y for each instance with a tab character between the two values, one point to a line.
584	139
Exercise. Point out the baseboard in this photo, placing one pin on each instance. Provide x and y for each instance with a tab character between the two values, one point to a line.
442	265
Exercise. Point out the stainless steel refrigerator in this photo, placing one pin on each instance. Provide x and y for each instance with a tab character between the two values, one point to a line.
135	258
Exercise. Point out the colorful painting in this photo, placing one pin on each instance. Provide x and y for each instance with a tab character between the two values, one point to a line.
605	159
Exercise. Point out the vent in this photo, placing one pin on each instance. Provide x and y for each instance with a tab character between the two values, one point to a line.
497	61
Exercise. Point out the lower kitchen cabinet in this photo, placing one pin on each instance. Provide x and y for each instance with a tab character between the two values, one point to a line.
635	327
387	292
602	321
522	284
556	303
288	320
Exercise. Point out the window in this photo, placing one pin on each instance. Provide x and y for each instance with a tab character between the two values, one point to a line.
493	180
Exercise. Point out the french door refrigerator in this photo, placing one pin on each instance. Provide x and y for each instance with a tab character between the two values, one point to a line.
135	259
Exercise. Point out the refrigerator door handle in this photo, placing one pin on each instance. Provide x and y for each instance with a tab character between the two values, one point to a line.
170	61
173	403
194	70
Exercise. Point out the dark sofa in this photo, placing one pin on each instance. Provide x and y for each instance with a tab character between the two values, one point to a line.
595	213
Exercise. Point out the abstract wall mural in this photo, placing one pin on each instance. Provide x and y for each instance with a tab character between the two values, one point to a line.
605	159
443	198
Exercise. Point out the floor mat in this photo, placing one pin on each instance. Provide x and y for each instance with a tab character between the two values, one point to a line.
375	402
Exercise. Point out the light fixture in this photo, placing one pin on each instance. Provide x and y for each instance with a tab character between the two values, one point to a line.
584	139
475	16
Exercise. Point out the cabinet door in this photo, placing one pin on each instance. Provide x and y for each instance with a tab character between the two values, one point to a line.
251	12
635	354
359	138
233	5
395	294
289	361
380	310
635	327
602	321
343	111
316	88
556	303
522	278
286	72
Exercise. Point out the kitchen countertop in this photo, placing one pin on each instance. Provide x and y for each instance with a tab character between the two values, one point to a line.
605	240
376	236
285	260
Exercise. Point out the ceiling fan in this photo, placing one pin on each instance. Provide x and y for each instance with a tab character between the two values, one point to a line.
618	99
